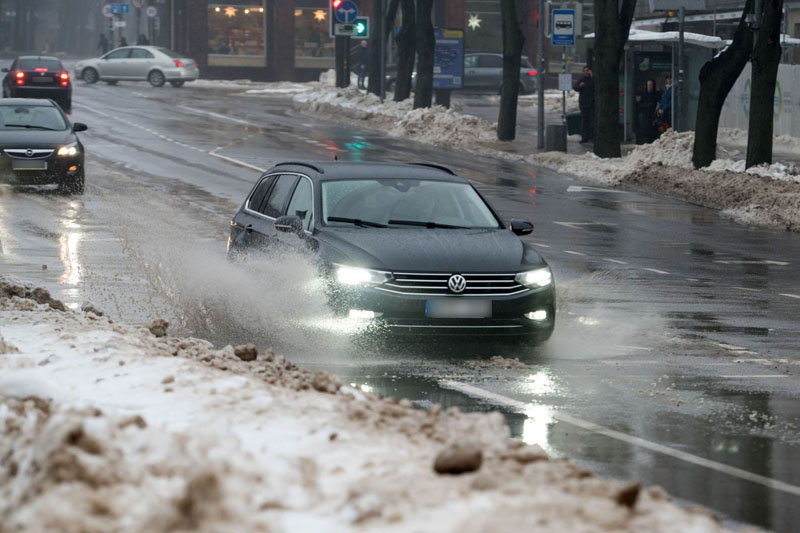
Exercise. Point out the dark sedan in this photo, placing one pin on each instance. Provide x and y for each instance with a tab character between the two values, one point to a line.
38	145
39	77
412	248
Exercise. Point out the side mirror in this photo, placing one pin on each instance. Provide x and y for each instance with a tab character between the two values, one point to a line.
289	224
520	227
4	69
79	126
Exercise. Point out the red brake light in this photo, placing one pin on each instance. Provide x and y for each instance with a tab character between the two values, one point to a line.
532	73
64	76
20	76
40	69
178	63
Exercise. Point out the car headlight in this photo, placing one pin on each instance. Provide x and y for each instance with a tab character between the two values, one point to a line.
69	150
541	277
360	276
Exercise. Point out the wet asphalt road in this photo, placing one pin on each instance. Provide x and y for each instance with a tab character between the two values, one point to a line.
675	355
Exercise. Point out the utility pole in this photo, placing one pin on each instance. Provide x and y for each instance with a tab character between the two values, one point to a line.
678	124
380	26
540	46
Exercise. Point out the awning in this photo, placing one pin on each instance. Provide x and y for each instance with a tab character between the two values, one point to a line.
696	39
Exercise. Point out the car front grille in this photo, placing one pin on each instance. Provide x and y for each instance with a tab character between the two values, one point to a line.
26	153
427	284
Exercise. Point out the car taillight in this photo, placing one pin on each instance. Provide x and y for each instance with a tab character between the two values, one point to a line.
20	77
64	77
532	73
178	63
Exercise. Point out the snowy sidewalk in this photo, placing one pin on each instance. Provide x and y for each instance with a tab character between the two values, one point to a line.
111	427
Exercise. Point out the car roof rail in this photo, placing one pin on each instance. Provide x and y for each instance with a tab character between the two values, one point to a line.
437	167
302	164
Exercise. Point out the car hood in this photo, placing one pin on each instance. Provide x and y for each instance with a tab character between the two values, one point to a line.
35	138
428	250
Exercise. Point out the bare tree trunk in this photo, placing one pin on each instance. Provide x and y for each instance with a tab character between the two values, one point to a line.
374	58
612	22
426	44
766	58
717	78
407	49
513	41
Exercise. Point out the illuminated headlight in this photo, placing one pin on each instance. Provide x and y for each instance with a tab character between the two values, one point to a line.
360	276
537	316
69	150
541	277
363	314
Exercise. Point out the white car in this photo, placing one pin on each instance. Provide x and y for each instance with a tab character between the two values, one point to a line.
138	63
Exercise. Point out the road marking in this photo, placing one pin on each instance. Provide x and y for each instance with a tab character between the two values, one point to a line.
758	262
218	116
617	261
583	188
656	271
580	225
573	252
789	295
749	376
235	161
540	244
746	289
476	392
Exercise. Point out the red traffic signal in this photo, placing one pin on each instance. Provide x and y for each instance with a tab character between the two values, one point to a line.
336	3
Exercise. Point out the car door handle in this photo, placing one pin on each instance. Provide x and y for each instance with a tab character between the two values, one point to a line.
249	228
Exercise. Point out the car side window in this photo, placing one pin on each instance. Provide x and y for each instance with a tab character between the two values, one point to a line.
489	61
119	54
470	61
279	195
302	203
140	53
257	198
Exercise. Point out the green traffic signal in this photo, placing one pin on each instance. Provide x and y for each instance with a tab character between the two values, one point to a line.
362	27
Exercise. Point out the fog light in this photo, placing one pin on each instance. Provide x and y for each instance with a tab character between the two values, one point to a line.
362	314
73	168
537	316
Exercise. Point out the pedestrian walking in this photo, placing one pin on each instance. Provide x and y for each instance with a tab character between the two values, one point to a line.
143	40
664	111
103	44
585	89
646	105
123	41
363	60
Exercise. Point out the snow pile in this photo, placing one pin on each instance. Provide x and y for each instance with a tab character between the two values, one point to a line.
552	100
107	427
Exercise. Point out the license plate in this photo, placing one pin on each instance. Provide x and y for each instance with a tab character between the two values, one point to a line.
43	79
458	308
22	164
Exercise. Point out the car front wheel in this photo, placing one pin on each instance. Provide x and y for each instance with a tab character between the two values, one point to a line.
156	78
90	76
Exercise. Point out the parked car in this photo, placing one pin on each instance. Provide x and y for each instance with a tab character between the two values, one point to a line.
38	145
410	248
138	63
38	77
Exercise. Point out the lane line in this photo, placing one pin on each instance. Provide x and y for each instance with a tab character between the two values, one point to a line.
617	261
471	390
656	271
573	252
214	153
746	289
789	295
750	376
540	244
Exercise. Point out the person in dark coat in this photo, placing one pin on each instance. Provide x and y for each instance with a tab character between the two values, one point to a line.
123	41
585	89
103	44
664	111
363	60
646	105
143	40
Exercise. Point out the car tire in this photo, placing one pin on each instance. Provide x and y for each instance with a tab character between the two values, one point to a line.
73	184
90	76
111	82
177	83
156	78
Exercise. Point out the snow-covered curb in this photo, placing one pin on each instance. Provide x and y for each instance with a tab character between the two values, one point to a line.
111	427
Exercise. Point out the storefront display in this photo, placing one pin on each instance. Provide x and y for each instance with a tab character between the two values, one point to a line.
313	48
237	34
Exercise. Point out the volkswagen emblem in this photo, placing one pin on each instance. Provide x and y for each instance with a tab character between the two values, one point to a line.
457	283
29	153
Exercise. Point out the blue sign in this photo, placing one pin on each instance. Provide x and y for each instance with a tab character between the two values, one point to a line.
448	59
347	12
563	29
120	9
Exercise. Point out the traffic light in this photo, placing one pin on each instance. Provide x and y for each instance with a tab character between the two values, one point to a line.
334	4
362	28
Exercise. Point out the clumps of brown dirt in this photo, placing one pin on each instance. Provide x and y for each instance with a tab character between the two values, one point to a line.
80	470
158	327
458	458
13	295
498	361
6	347
89	307
751	198
246	352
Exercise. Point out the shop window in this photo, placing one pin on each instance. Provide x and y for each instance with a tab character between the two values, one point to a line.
313	48
236	34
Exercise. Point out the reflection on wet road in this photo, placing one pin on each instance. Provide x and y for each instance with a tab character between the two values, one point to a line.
675	354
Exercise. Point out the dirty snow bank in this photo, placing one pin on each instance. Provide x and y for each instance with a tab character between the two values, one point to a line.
109	427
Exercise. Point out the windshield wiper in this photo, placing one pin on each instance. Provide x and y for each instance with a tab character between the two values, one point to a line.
29	126
358	222
426	224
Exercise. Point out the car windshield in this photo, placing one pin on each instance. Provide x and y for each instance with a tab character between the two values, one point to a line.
31	117
404	203
30	64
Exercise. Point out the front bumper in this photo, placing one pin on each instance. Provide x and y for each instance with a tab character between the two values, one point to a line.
58	171
406	314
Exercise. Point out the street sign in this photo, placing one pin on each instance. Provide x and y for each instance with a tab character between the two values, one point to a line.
346	13
107	9
448	59
151	11
565	82
119	24
563	27
675	5
344	30
120	9
138	4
